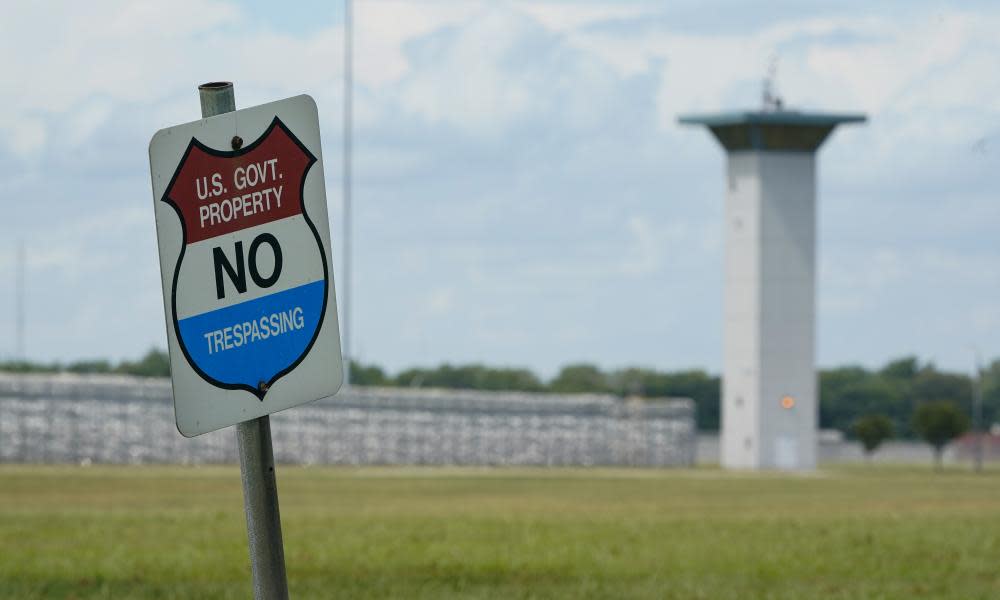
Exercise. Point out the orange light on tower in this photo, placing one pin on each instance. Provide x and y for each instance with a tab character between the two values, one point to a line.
787	402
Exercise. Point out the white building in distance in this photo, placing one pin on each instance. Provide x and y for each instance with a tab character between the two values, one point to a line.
770	404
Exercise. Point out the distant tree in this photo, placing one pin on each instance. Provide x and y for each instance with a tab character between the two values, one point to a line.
470	377
895	390
155	363
872	430
521	380
578	379
634	382
410	378
701	387
849	392
697	385
453	377
365	375
931	384
832	386
90	366
939	422
24	366
903	368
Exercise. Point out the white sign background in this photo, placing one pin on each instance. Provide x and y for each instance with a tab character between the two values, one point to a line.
199	406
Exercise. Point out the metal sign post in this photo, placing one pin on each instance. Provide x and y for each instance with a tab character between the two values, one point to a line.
260	499
260	489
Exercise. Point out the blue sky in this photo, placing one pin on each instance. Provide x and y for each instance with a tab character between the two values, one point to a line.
523	194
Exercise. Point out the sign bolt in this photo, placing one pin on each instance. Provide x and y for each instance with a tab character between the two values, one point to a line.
237	142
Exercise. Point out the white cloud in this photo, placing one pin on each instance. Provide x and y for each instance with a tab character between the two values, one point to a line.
382	30
924	61
985	319
568	17
440	301
77	50
26	137
467	82
646	252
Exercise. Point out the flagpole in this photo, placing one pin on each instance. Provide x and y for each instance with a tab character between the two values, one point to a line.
348	134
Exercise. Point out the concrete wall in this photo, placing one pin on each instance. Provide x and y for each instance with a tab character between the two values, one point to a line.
840	451
101	419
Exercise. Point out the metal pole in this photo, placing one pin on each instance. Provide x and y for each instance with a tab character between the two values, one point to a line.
19	309
977	415
260	495
260	489
348	133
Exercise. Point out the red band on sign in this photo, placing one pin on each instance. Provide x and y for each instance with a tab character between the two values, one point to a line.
219	192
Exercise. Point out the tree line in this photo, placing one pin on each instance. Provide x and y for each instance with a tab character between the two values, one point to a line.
846	393
154	363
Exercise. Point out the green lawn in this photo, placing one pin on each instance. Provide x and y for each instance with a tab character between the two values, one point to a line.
176	532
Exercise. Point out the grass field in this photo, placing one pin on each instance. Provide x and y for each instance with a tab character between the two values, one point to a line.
176	532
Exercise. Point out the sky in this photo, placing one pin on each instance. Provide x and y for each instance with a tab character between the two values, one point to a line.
523	193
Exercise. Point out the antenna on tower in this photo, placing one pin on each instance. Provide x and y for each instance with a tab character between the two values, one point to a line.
772	101
19	303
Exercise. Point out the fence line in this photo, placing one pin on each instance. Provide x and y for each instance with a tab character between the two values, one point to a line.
117	419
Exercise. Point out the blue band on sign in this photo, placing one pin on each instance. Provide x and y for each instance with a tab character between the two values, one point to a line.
251	342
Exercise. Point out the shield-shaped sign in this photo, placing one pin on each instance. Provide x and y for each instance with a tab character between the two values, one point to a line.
247	281
266	307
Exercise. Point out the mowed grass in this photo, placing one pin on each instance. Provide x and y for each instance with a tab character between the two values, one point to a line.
179	532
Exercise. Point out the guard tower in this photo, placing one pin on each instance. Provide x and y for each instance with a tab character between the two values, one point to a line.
769	395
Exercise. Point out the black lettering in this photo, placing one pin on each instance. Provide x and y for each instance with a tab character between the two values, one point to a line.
238	276
271	241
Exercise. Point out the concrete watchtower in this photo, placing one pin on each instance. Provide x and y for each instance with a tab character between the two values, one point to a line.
769	395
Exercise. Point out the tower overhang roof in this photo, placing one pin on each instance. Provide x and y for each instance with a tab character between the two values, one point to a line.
779	130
